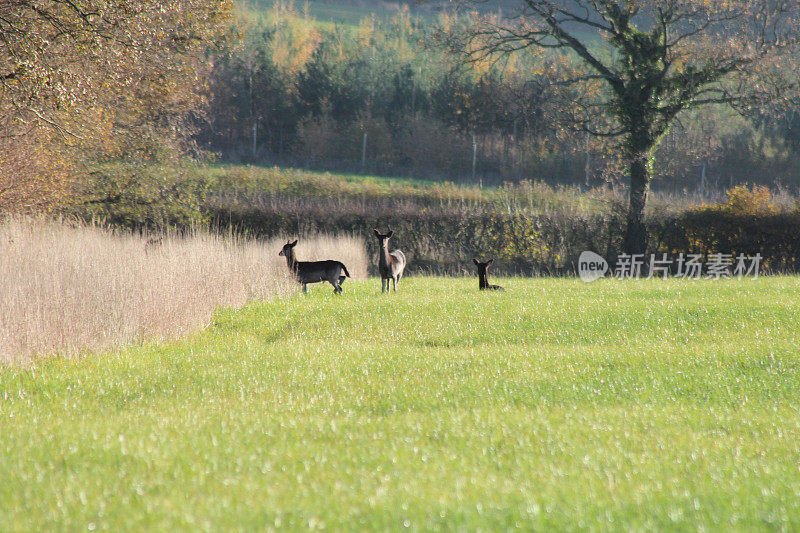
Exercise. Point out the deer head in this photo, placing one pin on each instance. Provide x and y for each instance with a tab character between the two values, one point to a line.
383	239
287	248
482	267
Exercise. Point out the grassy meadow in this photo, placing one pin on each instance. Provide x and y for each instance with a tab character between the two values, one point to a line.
668	405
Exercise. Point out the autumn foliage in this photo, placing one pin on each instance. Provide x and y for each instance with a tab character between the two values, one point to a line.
89	80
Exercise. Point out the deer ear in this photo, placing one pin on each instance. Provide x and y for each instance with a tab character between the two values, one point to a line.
390	234
377	233
490	262
294	243
475	261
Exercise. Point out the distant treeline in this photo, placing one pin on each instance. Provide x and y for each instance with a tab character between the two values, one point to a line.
381	97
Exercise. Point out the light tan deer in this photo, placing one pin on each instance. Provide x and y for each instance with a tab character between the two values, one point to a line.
390	263
314	271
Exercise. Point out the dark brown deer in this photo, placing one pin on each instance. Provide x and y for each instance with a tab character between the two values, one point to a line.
390	263
315	271
483	277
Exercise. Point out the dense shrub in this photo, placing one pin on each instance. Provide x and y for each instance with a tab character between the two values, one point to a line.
776	236
142	197
749	222
743	200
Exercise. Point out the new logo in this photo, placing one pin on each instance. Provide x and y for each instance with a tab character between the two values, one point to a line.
591	266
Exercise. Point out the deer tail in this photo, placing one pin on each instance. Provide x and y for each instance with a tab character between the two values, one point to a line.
346	273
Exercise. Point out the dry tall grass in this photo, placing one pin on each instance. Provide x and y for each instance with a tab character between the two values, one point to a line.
71	289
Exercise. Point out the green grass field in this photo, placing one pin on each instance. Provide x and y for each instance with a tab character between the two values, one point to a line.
240	180
668	405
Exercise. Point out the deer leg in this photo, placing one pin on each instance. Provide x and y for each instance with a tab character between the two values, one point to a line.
305	291
384	284
394	283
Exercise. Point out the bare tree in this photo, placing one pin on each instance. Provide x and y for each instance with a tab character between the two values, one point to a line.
633	65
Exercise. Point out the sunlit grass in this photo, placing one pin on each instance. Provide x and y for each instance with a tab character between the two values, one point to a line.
232	181
553	405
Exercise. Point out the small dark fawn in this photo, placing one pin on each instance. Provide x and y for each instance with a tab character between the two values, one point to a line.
483	277
306	272
390	263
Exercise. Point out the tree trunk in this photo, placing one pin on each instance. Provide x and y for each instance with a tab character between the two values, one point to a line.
636	231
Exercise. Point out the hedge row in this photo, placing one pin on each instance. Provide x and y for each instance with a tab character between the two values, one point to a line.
444	241
776	236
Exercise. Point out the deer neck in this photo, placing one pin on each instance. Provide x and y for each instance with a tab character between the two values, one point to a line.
483	280
384	254
290	260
